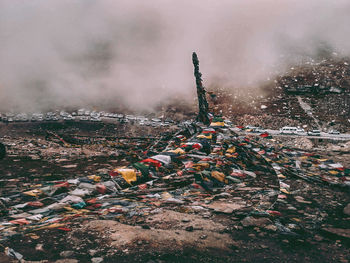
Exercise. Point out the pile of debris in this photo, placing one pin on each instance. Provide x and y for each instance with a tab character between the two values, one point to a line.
200	173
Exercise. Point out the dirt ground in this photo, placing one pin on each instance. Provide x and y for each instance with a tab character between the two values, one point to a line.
309	224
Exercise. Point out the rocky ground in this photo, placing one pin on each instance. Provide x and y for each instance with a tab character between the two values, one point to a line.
263	211
323	84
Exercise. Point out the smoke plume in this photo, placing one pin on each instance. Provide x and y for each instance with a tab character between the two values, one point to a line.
73	53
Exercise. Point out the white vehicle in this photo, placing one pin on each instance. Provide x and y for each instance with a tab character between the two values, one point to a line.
156	120
68	118
96	119
84	118
95	114
333	132
300	131
64	113
81	112
38	116
23	117
289	130
130	117
314	133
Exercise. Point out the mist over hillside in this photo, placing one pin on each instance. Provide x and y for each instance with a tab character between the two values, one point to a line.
104	53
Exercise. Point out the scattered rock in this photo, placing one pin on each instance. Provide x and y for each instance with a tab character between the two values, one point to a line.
70	166
67	260
67	254
303	143
260	222
347	210
318	238
92	252
341	232
226	208
97	260
39	247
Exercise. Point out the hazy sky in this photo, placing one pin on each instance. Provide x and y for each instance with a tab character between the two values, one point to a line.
83	52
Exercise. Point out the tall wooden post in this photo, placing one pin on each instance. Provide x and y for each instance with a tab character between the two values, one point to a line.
201	93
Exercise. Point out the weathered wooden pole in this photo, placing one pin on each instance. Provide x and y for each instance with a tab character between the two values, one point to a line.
2	151
201	93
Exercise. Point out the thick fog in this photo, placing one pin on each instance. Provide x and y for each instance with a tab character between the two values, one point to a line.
73	53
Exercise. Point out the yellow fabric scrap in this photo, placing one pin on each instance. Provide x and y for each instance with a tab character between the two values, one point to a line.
203	136
55	225
219	176
35	192
71	209
178	151
201	166
333	172
284	191
231	150
281	176
129	175
222	124
95	178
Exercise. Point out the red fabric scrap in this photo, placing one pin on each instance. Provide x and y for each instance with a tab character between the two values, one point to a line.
113	173
197	146
62	184
21	221
142	186
91	201
274	213
35	204
264	135
64	229
101	188
152	162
